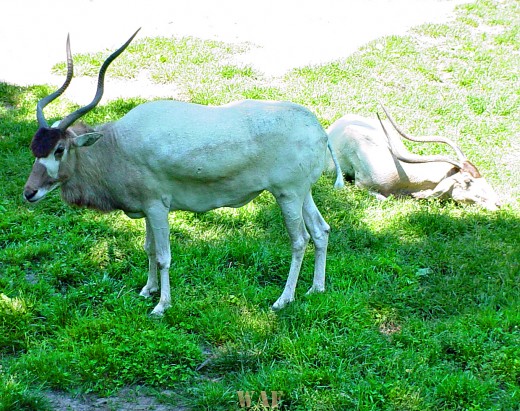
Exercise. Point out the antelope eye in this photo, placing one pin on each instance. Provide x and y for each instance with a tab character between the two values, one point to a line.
59	151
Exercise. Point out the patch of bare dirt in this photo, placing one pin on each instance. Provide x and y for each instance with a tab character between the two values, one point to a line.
283	35
127	399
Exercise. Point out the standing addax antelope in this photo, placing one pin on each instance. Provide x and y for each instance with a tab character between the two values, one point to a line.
372	154
168	155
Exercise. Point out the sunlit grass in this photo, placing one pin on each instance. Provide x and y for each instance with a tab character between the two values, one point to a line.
421	307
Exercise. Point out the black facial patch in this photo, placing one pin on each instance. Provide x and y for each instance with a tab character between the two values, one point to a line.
45	140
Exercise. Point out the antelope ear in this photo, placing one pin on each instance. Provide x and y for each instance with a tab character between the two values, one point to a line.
464	178
87	139
443	187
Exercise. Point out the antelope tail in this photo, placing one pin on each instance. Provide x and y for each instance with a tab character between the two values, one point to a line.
340	182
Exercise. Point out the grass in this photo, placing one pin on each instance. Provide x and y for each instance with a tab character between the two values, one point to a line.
421	309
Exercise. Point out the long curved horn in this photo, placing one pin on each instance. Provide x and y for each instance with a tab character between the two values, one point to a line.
46	100
408	157
71	118
424	139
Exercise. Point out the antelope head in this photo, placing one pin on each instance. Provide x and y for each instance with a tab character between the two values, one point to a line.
52	145
463	183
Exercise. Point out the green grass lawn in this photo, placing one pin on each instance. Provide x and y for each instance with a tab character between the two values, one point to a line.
422	304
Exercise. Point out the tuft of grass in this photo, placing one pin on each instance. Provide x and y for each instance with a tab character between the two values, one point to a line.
19	396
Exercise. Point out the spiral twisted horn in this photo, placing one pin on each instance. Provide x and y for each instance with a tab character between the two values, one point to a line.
408	157
71	118
42	122
426	139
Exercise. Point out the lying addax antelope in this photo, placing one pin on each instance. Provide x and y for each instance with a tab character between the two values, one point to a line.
373	155
167	155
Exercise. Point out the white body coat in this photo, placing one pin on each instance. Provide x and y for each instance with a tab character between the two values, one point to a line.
364	154
167	155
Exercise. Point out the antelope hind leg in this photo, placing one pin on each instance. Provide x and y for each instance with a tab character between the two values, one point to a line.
292	213
152	285
319	231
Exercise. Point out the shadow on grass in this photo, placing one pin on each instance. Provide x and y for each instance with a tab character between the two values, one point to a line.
428	262
454	265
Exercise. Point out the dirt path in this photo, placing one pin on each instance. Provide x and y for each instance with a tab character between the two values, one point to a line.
284	34
128	399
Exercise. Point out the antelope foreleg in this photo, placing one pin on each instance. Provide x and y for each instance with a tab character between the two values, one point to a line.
157	222
152	285
444	187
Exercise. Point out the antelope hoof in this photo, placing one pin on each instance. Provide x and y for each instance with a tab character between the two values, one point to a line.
281	303
315	289
159	310
147	292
